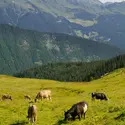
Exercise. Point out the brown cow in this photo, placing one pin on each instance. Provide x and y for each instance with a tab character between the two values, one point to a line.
77	109
27	97
32	114
43	94
6	96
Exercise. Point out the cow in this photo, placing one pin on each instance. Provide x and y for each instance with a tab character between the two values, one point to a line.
79	109
43	94
100	96
27	97
32	114
6	96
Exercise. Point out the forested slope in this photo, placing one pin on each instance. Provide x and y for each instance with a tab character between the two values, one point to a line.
21	49
79	71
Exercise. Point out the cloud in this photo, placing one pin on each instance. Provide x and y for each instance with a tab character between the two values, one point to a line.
111	1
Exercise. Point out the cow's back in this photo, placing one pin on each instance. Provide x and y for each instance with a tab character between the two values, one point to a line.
79	107
32	110
100	96
45	92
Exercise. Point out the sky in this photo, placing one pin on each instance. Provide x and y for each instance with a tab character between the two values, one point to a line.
111	1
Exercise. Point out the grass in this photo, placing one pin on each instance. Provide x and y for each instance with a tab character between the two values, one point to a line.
64	95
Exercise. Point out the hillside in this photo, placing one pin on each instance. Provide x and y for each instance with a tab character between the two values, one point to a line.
77	17
77	71
64	95
110	27
22	49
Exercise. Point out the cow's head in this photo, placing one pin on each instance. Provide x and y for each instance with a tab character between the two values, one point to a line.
10	98
106	99
93	95
67	115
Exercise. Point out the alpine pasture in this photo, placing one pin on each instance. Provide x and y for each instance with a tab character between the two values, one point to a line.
64	95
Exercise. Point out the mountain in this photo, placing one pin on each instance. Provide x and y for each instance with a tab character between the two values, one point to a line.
21	49
85	18
42	14
111	28
117	8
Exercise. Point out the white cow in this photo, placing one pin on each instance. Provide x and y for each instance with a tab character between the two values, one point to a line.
43	94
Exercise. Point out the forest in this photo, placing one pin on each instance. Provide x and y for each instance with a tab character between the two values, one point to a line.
75	71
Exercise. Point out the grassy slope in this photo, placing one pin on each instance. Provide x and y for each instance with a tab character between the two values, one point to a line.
64	95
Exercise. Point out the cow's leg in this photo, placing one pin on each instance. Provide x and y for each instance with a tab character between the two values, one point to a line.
29	120
93	98
50	98
32	119
46	97
84	115
79	116
35	120
41	98
73	118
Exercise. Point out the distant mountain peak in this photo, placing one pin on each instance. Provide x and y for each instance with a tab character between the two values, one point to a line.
95	2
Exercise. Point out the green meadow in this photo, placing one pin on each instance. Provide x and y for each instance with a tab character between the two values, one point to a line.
64	95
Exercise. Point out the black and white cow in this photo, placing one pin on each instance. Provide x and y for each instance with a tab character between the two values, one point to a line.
100	96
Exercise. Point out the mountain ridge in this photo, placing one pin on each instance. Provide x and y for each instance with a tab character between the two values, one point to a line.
21	49
74	17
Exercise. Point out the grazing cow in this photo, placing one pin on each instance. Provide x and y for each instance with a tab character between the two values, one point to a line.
6	96
27	97
43	94
32	114
77	109
100	96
